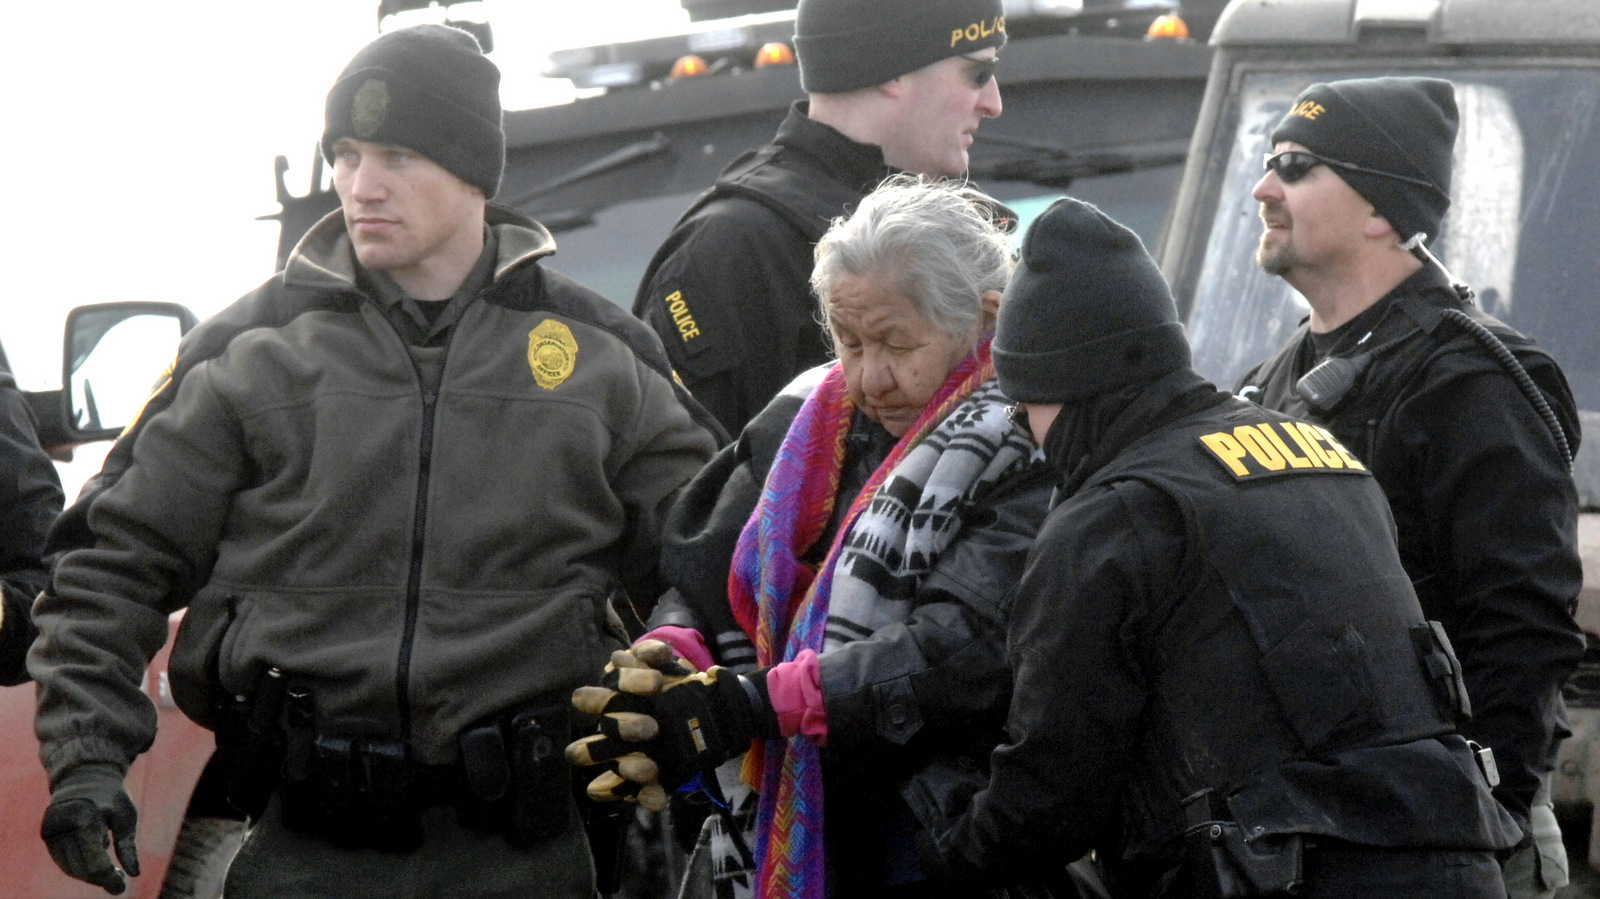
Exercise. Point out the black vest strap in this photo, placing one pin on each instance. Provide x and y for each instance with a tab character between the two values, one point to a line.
808	204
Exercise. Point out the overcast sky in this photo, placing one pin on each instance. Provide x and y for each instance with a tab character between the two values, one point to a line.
139	139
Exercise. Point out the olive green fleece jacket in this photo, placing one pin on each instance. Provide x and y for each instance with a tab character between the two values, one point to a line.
418	561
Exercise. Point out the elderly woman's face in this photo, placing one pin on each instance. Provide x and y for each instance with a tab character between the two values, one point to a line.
894	359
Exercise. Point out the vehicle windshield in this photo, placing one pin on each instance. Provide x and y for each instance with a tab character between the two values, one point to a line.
1522	230
610	247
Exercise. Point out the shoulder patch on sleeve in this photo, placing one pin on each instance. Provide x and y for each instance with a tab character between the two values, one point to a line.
699	339
676	306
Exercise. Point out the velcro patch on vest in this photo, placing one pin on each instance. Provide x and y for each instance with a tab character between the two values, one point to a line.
1271	448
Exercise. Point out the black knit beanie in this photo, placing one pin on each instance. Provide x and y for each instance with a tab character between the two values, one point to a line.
846	45
1086	311
1403	127
428	88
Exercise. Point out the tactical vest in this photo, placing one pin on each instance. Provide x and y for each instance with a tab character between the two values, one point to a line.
766	175
1405	340
1334	662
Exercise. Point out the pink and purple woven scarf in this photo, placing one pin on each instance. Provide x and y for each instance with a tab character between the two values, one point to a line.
782	604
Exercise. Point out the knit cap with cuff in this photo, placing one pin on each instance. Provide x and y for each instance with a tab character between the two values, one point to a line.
427	88
1404	129
846	45
1086	311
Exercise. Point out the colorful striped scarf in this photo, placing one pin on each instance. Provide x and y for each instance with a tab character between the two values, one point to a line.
782	603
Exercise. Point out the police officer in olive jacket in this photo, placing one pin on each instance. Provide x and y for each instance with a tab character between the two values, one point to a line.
1224	682
1424	387
404	489
892	85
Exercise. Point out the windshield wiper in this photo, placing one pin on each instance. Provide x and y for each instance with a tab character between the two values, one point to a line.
630	155
1053	166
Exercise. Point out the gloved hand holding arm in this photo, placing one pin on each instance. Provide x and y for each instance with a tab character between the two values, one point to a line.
660	738
89	801
645	668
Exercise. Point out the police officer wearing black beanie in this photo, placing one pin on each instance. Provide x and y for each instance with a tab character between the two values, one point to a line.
891	85
1221	668
397	489
1406	374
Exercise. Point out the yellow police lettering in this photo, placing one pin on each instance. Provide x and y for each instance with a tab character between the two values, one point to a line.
688	329
1258	450
1327	457
1308	109
1227	450
978	30
1277	442
1344	454
1259	447
1293	430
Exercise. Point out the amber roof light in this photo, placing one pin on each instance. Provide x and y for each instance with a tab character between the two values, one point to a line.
1168	26
688	66
775	53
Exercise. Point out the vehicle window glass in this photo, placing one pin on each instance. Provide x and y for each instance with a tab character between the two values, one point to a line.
1521	229
1139	199
610	253
609	250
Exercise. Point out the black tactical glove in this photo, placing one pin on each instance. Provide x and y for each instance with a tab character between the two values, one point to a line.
660	740
647	667
88	801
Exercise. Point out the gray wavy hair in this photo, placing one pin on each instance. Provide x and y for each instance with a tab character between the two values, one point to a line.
935	237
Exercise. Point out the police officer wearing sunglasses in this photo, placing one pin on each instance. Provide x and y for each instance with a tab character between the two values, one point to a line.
1401	366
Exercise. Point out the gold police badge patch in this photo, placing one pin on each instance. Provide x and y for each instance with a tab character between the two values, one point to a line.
552	353
368	106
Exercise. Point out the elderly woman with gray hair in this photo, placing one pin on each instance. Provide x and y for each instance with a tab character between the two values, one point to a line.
838	573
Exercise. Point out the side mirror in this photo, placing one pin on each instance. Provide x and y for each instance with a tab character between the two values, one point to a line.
113	356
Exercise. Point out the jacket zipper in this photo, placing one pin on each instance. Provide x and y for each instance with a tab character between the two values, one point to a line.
419	529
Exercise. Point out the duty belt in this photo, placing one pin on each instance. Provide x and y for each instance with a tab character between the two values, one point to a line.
368	792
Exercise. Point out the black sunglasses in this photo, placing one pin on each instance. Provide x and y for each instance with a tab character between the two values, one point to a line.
981	70
1292	165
